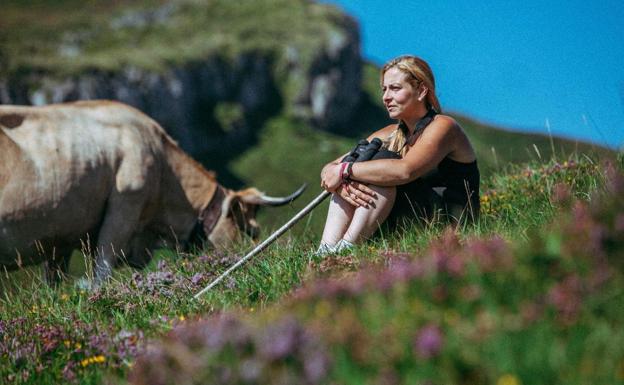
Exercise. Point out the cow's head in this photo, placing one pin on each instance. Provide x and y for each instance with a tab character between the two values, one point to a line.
230	214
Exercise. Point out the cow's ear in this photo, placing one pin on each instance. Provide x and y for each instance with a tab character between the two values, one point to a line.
255	197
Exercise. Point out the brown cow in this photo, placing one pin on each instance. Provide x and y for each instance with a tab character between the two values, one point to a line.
104	171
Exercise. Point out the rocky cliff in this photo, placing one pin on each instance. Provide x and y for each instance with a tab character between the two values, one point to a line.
214	101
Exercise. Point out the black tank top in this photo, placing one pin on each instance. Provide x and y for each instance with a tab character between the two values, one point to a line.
459	180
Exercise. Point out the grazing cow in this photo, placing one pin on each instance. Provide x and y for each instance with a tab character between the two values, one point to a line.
105	172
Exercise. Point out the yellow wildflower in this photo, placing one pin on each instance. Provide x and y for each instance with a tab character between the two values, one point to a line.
322	309
64	297
508	379
93	360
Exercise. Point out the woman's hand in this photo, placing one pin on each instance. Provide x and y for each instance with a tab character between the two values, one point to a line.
330	177
357	194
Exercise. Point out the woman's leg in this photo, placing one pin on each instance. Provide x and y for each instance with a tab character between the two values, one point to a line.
339	217
365	221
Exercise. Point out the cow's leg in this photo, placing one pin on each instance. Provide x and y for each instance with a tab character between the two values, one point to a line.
57	265
141	249
120	224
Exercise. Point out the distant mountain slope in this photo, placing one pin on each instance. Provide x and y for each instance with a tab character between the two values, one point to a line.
497	146
216	73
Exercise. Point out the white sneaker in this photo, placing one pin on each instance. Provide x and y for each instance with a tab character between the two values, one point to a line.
324	249
343	245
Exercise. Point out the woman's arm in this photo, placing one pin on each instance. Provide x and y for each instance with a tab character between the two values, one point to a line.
436	142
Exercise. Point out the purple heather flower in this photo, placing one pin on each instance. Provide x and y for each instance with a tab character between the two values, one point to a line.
392	258
448	262
615	179
619	223
224	330
566	296
231	283
137	279
251	370
281	340
68	371
428	342
561	193
315	366
401	272
198	278
491	254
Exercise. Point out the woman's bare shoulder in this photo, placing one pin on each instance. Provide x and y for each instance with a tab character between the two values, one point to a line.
445	126
442	126
461	147
446	121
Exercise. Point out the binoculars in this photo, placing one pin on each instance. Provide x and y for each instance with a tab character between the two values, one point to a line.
363	151
366	150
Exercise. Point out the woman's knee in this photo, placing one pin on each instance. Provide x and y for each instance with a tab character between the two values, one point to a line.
386	195
339	204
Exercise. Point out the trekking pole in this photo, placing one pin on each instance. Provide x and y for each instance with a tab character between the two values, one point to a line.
363	151
268	241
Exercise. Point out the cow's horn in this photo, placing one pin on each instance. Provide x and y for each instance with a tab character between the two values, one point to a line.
263	199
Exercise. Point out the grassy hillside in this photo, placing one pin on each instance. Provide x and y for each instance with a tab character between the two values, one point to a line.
71	35
531	294
464	310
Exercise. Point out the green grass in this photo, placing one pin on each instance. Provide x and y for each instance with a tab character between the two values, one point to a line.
47	331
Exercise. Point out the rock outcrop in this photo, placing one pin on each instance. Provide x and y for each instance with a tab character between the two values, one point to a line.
214	106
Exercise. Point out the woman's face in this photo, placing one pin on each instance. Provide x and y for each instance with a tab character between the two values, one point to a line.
399	96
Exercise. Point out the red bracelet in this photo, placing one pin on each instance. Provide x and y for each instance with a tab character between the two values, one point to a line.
350	169
342	170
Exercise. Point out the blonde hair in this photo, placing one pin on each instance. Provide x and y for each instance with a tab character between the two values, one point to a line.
418	71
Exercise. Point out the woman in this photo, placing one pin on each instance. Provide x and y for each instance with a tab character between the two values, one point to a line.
437	167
